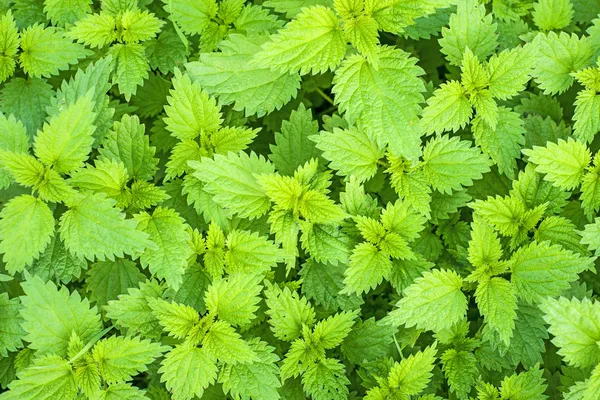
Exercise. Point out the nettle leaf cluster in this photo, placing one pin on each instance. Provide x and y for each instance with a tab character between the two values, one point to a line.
299	199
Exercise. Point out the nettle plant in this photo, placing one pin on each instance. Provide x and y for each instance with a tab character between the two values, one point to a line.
299	199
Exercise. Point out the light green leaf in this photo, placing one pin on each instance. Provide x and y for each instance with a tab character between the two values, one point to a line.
350	152
26	227
50	377
448	108
120	358
251	253
45	51
235	77
541	269
167	230
192	16
188	370
496	300
330	332
557	57
383	102
469	27
326	380
95	30
288	313
235	299
231	179
132	311
52	315
433	302
564	163
130	67
190	111
311	43
367	268
412	374
65	142
11	331
552	14
451	163
574	325
86	237
510	70
225	344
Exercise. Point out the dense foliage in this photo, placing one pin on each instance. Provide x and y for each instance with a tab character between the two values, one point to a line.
299	199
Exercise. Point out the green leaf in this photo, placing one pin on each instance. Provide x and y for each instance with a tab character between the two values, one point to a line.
188	370
525	385
510	70
190	111
45	51
557	57
368	341
137	26
52	315
107	280
433	302
288	313
86	237
587	109
57	264
177	319
412	374
460	368
235	299
448	108
192	16
350	152
451	163
383	102
11	331
27	101
367	268
326	243
65	142
120	358
130	67
65	12
132	312
311	43
564	163
234	77
552	14
50	377
225	344
127	143
497	301
469	27
248	252
502	144
26	227
330	332
591	236
326	380
292	147
120	391
10	46
167	230
541	269
258	380
293	7
575	333
231	179
95	30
